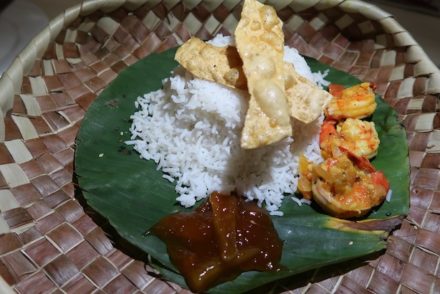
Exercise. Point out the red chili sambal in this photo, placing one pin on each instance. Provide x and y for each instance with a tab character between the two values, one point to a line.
222	238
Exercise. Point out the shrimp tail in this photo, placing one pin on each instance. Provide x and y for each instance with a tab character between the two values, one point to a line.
336	89
380	179
360	161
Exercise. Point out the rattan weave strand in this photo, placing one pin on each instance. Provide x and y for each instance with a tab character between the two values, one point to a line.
49	244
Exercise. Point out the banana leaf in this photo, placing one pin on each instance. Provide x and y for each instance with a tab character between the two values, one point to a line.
131	193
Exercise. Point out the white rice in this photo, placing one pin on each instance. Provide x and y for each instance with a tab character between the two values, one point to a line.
191	128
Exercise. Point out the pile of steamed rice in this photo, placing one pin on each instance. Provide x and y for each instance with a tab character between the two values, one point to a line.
191	128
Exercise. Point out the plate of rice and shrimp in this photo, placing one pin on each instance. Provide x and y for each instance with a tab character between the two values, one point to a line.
235	162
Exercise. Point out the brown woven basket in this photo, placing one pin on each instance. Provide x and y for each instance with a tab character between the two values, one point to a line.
47	241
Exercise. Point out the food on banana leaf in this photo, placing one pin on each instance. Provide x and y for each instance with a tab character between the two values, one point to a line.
273	107
140	196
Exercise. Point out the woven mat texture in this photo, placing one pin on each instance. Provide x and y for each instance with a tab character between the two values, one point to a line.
48	243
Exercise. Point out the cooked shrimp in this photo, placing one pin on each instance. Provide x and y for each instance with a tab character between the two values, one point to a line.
360	137
348	186
354	102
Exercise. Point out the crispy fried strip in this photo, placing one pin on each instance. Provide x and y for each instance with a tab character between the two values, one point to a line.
260	43
306	100
218	64
260	36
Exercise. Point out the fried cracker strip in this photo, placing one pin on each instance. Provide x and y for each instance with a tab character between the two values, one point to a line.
217	64
260	43
306	100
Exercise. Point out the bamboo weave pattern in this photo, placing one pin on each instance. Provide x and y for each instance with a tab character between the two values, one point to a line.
49	243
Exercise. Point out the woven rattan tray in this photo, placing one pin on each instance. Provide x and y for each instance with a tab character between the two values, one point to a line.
49	242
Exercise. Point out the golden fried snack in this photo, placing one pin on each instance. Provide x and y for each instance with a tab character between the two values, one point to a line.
223	65
306	100
218	64
260	43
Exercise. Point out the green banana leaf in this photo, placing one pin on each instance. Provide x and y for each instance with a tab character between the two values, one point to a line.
132	194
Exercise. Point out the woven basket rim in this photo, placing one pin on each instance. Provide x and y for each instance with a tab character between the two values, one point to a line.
12	78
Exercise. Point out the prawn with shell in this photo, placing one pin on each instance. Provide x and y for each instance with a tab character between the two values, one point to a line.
345	184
